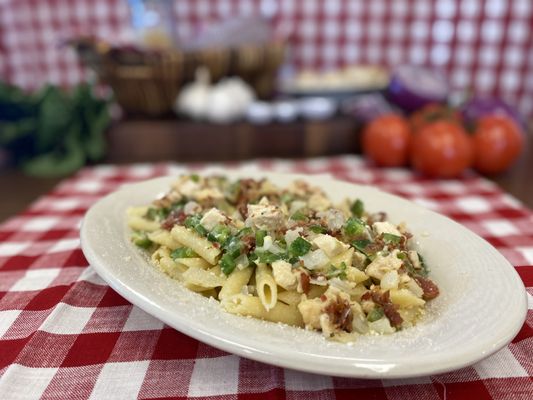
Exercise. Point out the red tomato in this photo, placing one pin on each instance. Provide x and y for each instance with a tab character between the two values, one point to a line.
386	140
441	149
431	113
498	142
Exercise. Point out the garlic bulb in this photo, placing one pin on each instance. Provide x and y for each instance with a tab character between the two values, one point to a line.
193	98
229	100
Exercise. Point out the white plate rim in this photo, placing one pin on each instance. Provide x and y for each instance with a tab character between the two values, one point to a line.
355	367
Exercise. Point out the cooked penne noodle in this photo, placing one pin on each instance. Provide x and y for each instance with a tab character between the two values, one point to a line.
235	282
164	238
252	306
203	247
194	262
266	287
286	255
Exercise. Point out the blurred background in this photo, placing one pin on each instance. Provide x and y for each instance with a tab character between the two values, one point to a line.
119	81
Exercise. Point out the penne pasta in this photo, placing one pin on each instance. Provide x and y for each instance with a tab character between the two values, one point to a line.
203	247
266	287
252	306
286	255
235	282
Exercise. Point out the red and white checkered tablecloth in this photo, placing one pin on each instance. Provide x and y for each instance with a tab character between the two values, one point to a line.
65	334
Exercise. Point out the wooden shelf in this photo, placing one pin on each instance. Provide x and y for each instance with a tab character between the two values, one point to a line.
144	140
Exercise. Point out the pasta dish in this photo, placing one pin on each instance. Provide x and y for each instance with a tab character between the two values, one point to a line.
286	255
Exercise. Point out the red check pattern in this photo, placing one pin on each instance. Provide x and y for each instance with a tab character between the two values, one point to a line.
485	45
65	334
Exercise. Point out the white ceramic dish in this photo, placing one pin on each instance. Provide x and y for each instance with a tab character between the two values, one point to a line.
481	307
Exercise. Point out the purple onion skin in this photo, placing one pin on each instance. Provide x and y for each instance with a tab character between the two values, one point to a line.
407	99
478	107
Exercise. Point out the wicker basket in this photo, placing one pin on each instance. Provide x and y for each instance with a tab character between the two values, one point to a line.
148	82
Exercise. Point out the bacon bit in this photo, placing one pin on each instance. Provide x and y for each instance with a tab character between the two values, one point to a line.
340	314
175	217
249	243
366	296
323	297
390	309
304	280
428	286
216	245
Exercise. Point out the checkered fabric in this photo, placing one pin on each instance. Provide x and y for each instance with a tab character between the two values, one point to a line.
485	45
65	334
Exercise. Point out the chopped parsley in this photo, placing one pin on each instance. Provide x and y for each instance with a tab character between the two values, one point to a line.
219	234
337	272
260	238
299	247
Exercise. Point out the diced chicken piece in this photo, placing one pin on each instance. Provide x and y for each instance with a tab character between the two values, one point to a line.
330	245
385	227
265	216
315	259
283	275
212	218
381	265
319	202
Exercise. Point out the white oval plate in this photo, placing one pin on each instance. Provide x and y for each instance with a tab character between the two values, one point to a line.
481	308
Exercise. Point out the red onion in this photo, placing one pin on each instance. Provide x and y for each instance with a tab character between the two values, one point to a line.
477	107
411	87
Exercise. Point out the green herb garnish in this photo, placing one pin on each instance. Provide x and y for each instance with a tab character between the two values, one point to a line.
357	208
227	264
354	226
260	238
299	216
219	234
299	247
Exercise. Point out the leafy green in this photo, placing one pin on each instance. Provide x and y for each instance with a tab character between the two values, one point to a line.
266	257
227	264
193	222
357	208
219	234
354	226
260	238
53	132
183	252
299	247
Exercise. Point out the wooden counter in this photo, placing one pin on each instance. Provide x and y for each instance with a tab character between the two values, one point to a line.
183	141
